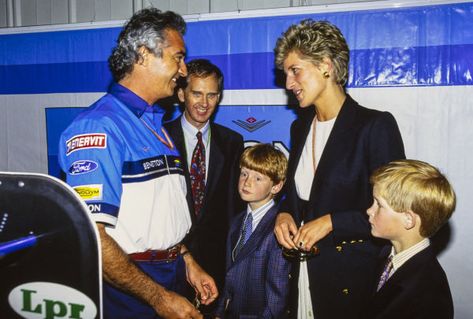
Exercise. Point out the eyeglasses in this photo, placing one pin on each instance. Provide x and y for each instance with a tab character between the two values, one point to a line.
300	255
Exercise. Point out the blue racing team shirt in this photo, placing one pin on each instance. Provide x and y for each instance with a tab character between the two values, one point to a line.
129	178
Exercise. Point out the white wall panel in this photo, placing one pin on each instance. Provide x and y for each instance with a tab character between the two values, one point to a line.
178	6
27	12
59	12
223	6
121	9
103	10
3	14
24	119
197	6
85	10
163	5
43	12
261	4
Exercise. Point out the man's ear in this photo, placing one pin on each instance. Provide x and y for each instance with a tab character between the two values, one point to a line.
143	52
277	187
410	219
180	95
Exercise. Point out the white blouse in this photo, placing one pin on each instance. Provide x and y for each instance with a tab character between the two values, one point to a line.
305	169
304	178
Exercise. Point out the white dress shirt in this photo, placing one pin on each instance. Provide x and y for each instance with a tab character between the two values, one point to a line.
190	140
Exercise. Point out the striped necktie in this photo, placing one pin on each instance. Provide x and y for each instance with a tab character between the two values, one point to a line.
387	270
245	233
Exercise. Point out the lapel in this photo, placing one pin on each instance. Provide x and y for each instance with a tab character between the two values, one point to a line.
216	160
300	136
254	242
335	144
399	281
235	230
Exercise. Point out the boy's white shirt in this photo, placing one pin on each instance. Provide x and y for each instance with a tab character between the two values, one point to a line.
401	258
259	213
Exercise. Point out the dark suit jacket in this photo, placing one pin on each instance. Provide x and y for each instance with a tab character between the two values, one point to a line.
361	141
206	240
417	290
257	282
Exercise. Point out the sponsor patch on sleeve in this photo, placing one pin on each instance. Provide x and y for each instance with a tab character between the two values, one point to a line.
177	161
89	192
83	167
95	208
84	141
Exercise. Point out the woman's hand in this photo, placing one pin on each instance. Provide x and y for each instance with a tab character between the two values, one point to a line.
285	229
311	232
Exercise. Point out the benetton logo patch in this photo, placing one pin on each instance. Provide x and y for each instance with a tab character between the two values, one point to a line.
83	141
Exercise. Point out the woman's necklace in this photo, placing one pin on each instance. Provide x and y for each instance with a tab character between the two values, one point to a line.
314	160
167	142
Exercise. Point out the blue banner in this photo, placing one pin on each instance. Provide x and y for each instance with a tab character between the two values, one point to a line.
428	45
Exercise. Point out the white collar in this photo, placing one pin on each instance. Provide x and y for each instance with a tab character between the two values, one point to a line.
191	130
401	258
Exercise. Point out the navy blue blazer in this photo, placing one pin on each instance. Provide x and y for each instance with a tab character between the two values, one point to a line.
257	282
417	290
206	239
361	140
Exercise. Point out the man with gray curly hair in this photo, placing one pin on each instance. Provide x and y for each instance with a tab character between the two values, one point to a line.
122	162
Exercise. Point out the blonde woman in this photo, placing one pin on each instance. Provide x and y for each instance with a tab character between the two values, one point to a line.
336	145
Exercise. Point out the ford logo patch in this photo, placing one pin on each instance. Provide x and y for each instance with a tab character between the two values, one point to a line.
83	167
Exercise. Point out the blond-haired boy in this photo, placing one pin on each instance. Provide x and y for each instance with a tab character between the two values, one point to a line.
412	200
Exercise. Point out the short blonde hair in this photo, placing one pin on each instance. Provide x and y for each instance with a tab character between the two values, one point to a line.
267	160
417	186
314	41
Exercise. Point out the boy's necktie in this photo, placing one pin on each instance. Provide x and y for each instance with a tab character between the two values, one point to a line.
197	174
385	275
245	233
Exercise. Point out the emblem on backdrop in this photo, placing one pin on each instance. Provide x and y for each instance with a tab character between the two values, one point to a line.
251	124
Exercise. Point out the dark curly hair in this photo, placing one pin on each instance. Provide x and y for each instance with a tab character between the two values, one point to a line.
146	28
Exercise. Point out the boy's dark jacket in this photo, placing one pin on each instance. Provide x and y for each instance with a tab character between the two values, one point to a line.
417	290
256	283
